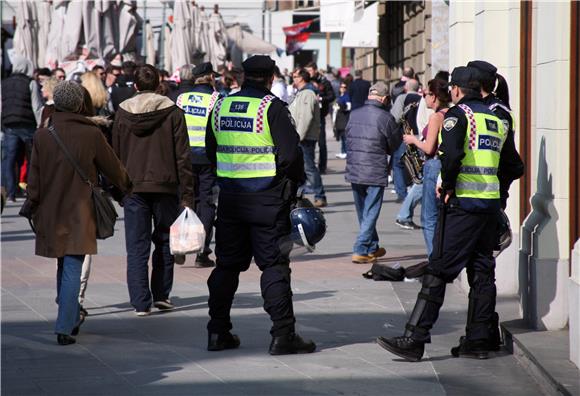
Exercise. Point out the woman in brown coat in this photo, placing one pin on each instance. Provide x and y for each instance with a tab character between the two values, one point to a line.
63	209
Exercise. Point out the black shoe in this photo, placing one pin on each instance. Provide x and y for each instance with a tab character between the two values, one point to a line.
64	339
405	347
477	349
289	344
219	342
408	225
203	261
75	331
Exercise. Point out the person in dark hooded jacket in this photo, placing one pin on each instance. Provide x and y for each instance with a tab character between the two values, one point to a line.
150	138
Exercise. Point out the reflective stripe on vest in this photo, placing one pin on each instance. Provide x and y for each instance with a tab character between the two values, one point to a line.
484	140
197	107
245	148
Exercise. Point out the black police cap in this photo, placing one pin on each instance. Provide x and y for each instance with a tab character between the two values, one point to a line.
485	68
465	77
203	69
259	65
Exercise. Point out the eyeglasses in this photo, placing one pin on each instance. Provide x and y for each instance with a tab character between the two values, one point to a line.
425	94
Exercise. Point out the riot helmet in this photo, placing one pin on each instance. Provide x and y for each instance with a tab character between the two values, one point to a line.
308	226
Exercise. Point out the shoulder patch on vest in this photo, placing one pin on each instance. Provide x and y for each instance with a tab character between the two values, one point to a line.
449	123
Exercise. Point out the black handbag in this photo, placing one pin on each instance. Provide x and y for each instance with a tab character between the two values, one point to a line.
105	213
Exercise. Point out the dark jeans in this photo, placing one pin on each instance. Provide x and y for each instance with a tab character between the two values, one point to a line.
204	181
252	225
399	172
14	139
140	210
322	151
312	173
68	284
465	241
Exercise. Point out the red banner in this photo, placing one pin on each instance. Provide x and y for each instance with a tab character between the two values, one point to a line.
295	43
296	36
297	29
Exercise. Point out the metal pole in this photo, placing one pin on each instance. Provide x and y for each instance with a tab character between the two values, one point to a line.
264	20
162	40
327	49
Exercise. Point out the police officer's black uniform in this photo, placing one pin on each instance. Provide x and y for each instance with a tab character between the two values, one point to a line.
464	238
253	222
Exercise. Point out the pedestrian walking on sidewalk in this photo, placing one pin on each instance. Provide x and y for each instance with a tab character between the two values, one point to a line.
197	103
305	112
62	206
371	136
251	139
470	151
150	138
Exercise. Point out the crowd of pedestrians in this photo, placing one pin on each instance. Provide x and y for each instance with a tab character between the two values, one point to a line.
236	146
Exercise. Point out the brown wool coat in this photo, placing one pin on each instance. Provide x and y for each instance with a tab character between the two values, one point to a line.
63	210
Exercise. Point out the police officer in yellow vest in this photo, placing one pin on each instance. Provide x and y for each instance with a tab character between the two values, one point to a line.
255	147
471	141
495	95
197	105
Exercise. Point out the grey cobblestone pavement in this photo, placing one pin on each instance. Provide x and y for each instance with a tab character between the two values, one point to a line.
118	353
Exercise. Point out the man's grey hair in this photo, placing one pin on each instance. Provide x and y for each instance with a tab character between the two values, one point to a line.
186	72
412	85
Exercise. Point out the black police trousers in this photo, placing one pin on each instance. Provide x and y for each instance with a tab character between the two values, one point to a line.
252	225
204	181
462	240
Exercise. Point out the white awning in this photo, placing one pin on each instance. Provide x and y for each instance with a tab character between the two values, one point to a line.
363	33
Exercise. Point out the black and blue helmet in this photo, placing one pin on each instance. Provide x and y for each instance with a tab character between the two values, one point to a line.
308	226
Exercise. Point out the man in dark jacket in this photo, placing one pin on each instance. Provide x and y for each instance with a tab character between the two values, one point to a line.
124	86
21	111
326	97
371	135
150	138
358	90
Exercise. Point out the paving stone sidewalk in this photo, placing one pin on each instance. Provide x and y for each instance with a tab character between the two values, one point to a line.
118	353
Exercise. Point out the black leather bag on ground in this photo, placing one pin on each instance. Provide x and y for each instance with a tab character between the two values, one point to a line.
105	213
417	270
382	272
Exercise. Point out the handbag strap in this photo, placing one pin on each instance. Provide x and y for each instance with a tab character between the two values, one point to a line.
69	156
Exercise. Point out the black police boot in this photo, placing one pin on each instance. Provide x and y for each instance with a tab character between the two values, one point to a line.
405	347
289	344
477	349
494	342
219	342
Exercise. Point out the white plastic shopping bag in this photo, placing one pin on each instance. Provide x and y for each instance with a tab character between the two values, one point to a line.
186	235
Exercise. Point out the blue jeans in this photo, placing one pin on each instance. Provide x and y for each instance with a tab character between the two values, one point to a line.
14	138
312	173
68	285
411	201
399	172
429	204
368	201
140	209
322	151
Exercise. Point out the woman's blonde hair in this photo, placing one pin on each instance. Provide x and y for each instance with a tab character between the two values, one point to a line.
94	85
49	85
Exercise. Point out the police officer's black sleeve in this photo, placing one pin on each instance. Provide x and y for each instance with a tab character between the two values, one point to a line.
210	142
451	149
511	166
289	159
